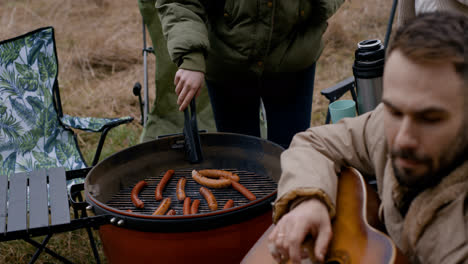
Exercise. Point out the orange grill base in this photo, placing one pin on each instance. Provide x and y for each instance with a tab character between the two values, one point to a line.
228	244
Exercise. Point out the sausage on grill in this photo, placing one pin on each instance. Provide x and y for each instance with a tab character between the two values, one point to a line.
194	208
228	204
181	189
220	174
171	212
135	191
186	209
212	183
163	206
159	189
210	199
244	191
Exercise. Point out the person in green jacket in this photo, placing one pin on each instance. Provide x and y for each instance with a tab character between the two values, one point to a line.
248	51
164	117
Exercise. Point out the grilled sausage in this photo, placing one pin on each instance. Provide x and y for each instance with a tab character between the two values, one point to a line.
129	210
163	206
162	184
187	206
181	189
135	191
210	199
194	208
244	191
171	212
212	183
228	204
219	174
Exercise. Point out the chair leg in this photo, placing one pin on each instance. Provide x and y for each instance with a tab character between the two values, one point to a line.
93	245
353	94
88	230
41	247
327	120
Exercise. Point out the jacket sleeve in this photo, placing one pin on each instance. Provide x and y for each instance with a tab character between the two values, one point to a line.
406	11
184	28
328	8
312	162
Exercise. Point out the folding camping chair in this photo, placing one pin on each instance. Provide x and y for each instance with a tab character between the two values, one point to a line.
335	92
35	140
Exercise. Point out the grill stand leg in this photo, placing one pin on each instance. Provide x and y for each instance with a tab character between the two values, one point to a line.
93	245
41	247
88	229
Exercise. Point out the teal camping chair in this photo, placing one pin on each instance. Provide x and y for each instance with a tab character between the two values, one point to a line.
35	139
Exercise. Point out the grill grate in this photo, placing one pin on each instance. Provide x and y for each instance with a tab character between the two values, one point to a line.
260	185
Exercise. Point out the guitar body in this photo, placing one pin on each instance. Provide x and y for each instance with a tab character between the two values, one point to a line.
356	238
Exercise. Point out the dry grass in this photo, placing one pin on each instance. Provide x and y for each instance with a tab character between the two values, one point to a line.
99	47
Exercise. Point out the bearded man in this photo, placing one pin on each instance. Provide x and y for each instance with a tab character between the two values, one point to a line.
415	144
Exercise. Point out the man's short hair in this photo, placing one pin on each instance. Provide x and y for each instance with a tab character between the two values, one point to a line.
434	37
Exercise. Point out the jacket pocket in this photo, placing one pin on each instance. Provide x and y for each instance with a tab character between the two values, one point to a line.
305	11
229	12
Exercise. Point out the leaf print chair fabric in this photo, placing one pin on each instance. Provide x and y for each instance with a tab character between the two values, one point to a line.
34	132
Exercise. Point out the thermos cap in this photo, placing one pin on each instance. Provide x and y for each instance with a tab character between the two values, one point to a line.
369	59
370	44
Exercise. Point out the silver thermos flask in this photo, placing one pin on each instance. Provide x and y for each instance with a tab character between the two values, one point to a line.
368	72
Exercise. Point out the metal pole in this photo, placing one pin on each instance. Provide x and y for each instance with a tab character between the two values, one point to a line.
145	80
390	23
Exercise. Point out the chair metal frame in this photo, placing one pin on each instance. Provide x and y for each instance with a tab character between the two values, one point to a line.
143	103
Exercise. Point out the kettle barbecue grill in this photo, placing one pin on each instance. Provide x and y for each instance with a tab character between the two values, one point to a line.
208	237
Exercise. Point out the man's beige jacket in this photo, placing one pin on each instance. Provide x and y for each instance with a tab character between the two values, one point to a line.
435	227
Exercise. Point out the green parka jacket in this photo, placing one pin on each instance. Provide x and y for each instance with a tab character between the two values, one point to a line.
232	37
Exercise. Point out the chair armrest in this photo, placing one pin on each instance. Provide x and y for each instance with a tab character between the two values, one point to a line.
75	198
336	91
75	179
77	174
93	124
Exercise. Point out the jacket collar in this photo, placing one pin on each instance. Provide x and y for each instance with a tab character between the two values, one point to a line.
426	204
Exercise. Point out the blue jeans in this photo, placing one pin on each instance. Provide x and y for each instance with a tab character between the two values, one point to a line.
287	98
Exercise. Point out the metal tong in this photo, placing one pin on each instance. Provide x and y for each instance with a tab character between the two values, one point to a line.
193	152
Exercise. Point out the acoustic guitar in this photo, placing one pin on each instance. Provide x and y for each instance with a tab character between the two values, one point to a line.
358	236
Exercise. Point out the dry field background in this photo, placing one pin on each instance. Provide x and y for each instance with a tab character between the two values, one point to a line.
99	49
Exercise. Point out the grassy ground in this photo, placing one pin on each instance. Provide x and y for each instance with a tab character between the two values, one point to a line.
99	47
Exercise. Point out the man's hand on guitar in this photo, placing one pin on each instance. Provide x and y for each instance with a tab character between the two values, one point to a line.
309	217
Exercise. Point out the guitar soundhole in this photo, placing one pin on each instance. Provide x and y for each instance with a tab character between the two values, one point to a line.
333	262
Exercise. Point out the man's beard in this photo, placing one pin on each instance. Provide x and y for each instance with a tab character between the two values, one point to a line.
407	177
453	156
